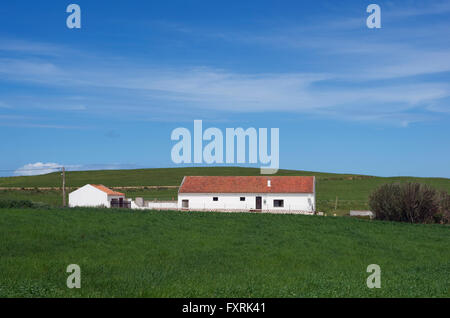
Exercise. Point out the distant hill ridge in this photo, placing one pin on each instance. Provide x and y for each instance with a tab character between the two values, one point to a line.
173	177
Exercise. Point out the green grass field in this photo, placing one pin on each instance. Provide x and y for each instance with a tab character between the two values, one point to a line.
352	191
179	254
139	177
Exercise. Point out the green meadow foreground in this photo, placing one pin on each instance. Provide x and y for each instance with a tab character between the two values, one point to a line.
179	254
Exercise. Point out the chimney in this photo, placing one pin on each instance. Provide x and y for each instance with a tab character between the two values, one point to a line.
268	183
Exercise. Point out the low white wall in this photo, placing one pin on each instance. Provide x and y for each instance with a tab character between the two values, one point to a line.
362	213
162	205
156	205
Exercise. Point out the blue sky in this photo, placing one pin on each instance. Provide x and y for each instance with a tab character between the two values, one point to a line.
345	97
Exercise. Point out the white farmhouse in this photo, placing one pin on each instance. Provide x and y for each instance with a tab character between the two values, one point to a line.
249	193
97	195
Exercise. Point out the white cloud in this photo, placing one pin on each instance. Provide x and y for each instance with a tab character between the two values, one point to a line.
29	70
438	8
368	76
33	48
37	168
198	89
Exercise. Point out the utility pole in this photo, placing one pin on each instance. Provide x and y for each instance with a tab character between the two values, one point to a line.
64	186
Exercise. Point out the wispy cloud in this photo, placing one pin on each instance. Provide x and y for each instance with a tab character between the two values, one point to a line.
419	9
26	69
204	88
34	48
4	105
39	168
28	121
373	76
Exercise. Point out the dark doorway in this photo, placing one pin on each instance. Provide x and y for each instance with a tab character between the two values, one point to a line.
258	203
120	203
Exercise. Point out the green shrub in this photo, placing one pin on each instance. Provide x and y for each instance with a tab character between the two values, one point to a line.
384	202
8	204
405	202
443	215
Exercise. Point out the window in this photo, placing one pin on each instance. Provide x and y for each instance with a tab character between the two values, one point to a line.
185	204
278	203
242	198
215	199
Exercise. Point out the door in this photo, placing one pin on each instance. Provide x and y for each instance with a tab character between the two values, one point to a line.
114	203
258	203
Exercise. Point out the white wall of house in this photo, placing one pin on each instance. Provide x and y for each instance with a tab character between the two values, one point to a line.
89	196
231	201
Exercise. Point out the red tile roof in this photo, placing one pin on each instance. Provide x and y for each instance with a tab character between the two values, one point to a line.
106	190
247	184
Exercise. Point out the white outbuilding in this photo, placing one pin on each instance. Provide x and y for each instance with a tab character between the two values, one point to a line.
248	193
97	195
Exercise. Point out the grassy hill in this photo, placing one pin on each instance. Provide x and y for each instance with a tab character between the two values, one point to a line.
149	177
352	191
180	254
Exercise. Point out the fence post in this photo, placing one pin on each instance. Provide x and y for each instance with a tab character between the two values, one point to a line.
64	186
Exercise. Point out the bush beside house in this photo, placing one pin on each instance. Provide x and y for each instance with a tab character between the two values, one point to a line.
410	202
